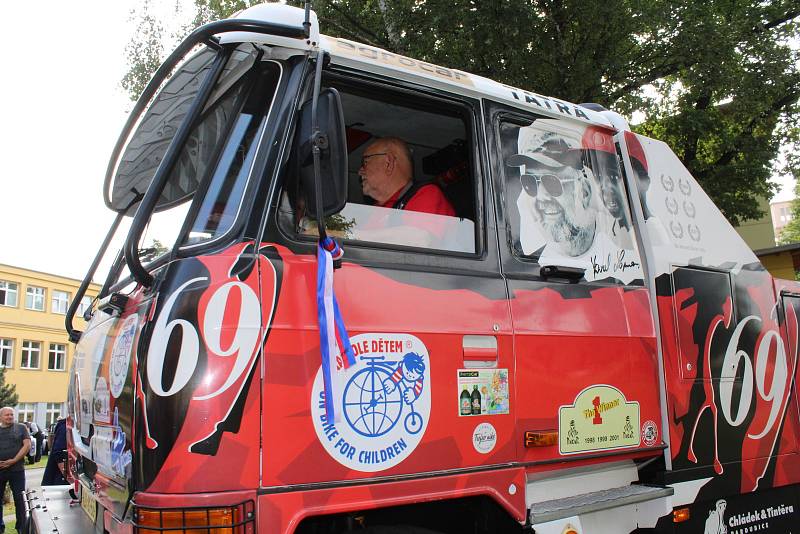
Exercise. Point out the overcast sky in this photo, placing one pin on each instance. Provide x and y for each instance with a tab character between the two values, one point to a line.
62	112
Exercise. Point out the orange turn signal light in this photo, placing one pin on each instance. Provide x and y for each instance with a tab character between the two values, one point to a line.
176	521
680	515
540	438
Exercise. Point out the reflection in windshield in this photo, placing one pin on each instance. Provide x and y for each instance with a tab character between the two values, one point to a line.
398	227
227	184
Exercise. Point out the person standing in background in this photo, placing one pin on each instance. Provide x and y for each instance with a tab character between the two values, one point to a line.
54	471
38	436
15	441
31	454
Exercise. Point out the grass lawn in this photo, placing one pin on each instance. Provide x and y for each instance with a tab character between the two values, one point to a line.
40	463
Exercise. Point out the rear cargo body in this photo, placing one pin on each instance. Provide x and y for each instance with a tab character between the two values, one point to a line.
587	344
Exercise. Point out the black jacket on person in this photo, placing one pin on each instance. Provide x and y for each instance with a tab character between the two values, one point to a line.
52	474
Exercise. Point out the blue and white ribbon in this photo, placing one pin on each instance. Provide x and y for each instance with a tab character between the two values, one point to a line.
337	353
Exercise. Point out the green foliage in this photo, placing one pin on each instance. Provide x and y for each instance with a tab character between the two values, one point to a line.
156	249
715	79
145	50
8	392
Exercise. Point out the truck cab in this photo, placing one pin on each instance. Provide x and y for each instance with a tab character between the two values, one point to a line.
579	343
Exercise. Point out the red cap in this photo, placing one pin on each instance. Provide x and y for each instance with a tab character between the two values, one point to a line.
600	139
635	149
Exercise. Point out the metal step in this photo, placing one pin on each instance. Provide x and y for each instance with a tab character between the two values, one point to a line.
585	503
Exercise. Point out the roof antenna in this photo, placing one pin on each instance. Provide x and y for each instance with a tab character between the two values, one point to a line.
307	22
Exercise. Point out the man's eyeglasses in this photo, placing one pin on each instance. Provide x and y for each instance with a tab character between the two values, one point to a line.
365	157
551	183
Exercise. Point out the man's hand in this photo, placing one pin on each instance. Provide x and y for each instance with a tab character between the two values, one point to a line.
4	464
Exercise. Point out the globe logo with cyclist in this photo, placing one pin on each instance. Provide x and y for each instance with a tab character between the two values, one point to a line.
383	403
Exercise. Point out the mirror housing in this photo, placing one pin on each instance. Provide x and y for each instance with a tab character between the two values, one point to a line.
333	153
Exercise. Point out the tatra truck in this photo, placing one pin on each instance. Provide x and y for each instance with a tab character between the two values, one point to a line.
576	341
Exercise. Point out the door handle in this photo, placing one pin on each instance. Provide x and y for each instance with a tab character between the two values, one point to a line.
571	274
479	351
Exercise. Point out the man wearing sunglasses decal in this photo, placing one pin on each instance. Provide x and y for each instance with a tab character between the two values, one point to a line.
560	190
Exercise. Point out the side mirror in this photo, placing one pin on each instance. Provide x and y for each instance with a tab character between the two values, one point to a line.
333	156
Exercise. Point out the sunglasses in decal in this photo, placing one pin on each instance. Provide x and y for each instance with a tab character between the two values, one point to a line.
551	183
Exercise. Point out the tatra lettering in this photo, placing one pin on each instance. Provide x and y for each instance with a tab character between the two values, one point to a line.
529	99
562	108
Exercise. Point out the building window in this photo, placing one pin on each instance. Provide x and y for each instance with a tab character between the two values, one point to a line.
60	302
31	350
26	411
56	357
86	303
53	413
34	298
6	352
8	293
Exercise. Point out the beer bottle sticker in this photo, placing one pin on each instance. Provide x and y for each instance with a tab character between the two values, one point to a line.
466	402
482	392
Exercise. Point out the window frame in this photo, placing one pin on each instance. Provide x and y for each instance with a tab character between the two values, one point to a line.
50	410
485	260
22	410
84	304
63	354
16	293
43	296
53	301
10	350
28	350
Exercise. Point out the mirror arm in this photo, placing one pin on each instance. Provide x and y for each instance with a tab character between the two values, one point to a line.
307	21
319	142
75	335
163	172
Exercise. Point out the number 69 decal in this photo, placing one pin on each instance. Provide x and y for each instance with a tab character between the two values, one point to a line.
246	332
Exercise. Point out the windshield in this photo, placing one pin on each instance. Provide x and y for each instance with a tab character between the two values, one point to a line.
214	164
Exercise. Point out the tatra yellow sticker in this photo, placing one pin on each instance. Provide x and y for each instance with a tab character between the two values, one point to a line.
600	419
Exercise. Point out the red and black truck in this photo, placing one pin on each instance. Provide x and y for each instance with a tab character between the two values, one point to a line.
584	345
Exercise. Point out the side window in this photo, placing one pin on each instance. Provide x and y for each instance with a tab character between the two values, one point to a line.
410	175
565	199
